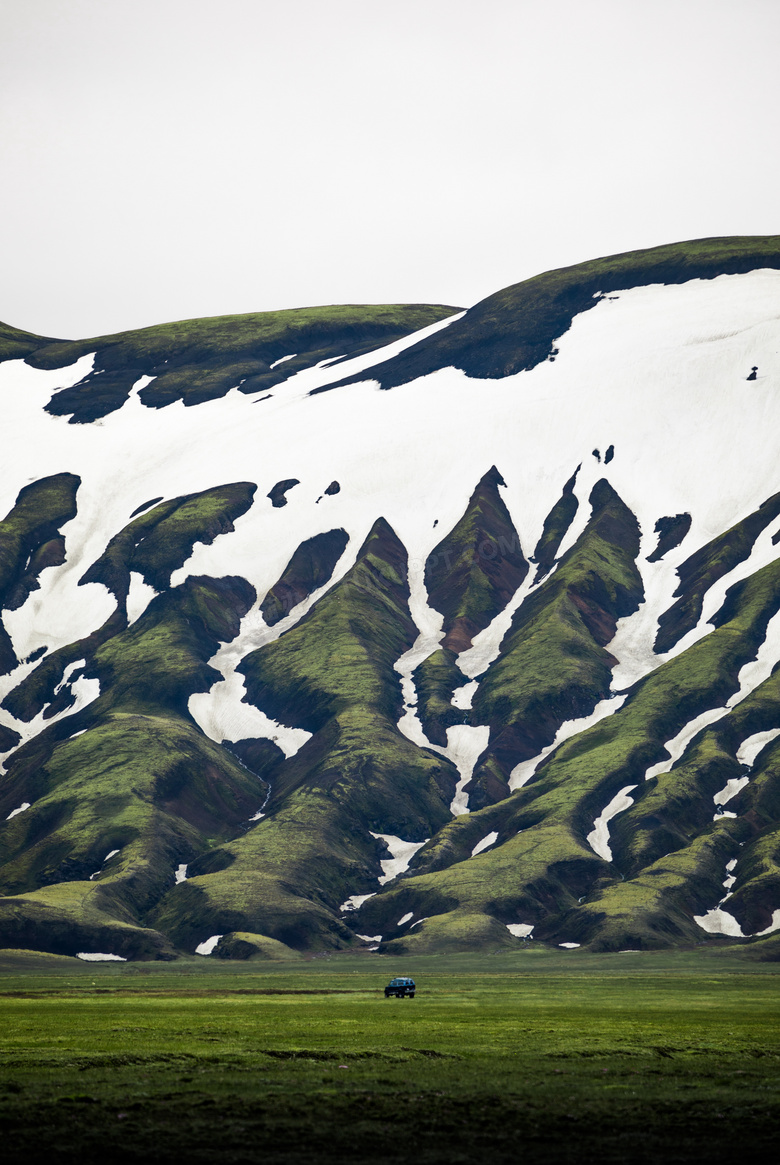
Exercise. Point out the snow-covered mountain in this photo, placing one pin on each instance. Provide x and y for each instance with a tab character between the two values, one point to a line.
401	627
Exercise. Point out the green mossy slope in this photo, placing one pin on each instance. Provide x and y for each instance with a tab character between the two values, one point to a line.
541	869
202	359
343	651
129	772
554	665
242	944
288	875
15	344
516	328
655	909
333	674
674	807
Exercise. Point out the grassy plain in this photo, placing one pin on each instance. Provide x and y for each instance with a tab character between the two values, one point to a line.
527	1056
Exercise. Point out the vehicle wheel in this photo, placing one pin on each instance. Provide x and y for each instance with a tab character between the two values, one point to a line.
411	994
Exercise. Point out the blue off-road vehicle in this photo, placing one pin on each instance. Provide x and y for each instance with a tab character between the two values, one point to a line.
401	988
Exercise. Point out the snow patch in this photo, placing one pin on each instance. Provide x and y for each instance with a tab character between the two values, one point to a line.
369	938
99	957
282	360
223	713
462	697
14	812
487	841
752	746
402	854
521	774
406	918
465	743
519	929
486	644
730	789
180	874
719	921
569	946
139	596
598	838
632	643
208	945
354	902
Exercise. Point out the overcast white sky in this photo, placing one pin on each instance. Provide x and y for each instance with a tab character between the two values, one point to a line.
162	159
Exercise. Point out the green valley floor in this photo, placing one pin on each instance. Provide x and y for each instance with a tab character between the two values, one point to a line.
526	1056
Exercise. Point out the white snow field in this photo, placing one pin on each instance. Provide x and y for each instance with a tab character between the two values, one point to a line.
659	372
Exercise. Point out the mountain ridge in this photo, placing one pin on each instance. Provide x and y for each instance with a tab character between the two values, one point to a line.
490	656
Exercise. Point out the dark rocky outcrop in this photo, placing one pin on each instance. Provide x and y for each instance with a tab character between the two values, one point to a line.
310	567
671	531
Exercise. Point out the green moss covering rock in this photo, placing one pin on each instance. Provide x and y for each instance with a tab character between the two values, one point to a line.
15	343
161	540
200	360
473	572
655	908
344	650
333	674
554	665
541	871
435	681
